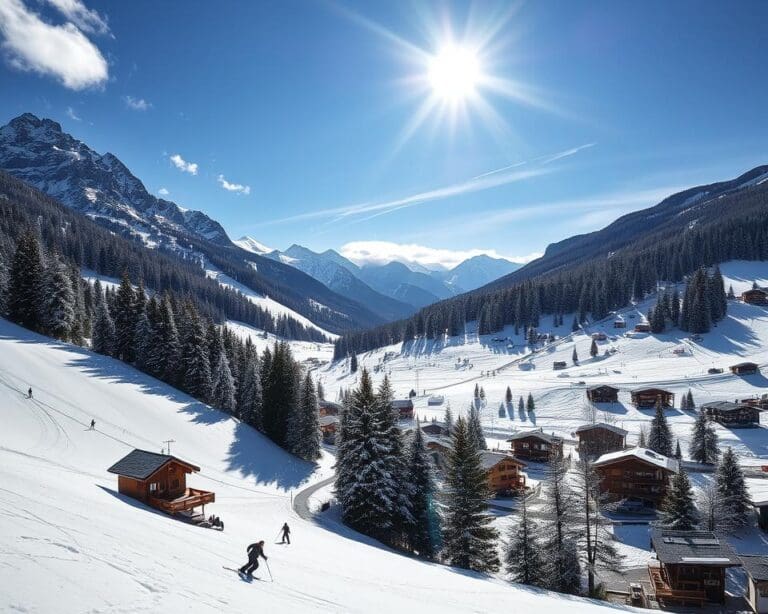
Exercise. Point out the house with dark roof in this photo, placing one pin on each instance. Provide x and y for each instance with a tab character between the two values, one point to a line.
329	408
603	393
600	438
744	368
647	398
536	445
329	425
404	408
504	471
732	414
691	566
756	568
755	296
637	474
159	480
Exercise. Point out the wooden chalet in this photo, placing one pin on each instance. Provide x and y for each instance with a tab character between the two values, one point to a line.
760	402
603	393
329	408
761	507
159	480
536	445
599	336
732	414
755	296
756	568
404	408
645	398
744	368
637	474
504	472
642	328
329	426
435	429
619	324
559	364
691	566
600	438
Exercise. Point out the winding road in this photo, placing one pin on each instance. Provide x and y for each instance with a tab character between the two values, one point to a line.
301	499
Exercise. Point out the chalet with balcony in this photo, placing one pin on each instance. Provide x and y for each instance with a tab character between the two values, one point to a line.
744	368
599	336
756	568
434	428
619	324
504	472
160	481
755	296
600	438
691	566
404	408
602	393
536	445
643	327
329	408
637	474
732	415
648	398
329	426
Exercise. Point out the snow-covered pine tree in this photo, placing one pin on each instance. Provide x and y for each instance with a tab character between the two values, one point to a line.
593	350
124	315
353	363
737	507
475	429
80	325
660	437
194	368
678	452
448	419
482	394
421	481
320	391
684	402
678	510
575	356
521	404
703	447
103	339
249	406
304	432
477	392
223	391
25	282
164	350
469	540
508	397
523	556
689	402
58	299
731	295
280	392
142	338
530	404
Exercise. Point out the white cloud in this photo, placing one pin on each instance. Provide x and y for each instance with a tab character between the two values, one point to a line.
137	104
59	51
72	115
233	187
80	15
163	192
183	165
383	252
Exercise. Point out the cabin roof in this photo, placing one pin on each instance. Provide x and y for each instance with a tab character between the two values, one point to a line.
328	420
490	459
602	387
140	464
642	454
402	404
744	364
650	389
538	434
756	566
726	406
693	548
330	404
603	426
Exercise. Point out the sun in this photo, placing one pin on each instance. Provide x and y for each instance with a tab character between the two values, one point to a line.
454	73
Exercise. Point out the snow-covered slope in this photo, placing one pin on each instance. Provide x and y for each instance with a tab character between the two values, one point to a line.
70	543
250	244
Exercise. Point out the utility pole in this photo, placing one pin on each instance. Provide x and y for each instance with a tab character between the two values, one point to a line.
417	381
168	443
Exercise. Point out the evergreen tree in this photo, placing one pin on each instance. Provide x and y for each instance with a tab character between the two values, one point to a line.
58	300
530	405
737	507
25	283
279	391
703	447
731	295
523	558
195	369
660	437
642	440
353	364
304	433
250	403
521	404
678	451
475	429
469	540
125	320
164	348
103	340
593	350
419	478
678	510
223	384
689	403
575	356
320	391
508	397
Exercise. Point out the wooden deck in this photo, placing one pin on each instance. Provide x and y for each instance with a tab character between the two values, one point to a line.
191	499
666	594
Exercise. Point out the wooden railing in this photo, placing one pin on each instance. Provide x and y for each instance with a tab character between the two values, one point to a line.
664	591
191	498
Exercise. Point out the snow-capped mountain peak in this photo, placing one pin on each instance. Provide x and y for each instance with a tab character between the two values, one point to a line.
250	244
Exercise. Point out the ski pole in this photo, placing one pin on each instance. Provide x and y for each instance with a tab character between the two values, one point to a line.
271	579
278	535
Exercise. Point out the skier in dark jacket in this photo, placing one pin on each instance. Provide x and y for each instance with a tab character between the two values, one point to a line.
254	552
29	393
286	534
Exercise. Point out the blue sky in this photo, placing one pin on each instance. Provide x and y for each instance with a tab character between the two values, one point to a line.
299	119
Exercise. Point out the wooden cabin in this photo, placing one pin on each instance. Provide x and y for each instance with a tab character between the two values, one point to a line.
603	393
755	296
756	568
637	474
536	445
599	336
435	399
761	507
600	438
329	426
504	472
404	408
760	402
643	327
559	364
159	480
734	415
619	324
645	398
329	408
435	429
744	368
691	566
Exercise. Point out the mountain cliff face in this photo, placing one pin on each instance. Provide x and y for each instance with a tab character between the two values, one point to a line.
100	186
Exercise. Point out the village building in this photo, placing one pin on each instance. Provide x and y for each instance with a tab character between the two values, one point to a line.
599	336
744	368
435	399
756	568
602	393
434	428
536	445
160	481
404	408
691	566
329	426
619	324
600	438
755	296
734	415
329	408
761	507
646	398
643	327
559	364
637	474
504	472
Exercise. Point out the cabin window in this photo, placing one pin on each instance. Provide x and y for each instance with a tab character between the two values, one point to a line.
153	487
524	446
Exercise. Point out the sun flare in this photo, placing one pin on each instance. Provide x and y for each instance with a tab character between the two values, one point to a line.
454	73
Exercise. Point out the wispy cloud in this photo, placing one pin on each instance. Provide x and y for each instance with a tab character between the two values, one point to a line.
163	192
541	159
137	104
239	188
60	51
84	18
72	115
183	165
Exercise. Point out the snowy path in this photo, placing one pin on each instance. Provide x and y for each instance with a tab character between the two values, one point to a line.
301	499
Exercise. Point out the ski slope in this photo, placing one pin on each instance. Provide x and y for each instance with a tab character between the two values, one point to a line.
70	543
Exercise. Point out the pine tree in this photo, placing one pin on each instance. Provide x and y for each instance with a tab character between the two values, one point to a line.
703	447
304	433
58	300
593	350
469	540
353	364
124	314
448	419
521	404
195	369
575	356
737	507
103	339
508	397
689	403
678	510
660	437
320	391
419	478
530	404
223	391
25	283
523	557
678	451
250	395
475	429
164	348
731	295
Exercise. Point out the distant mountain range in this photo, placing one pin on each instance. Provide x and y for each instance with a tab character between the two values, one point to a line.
401	286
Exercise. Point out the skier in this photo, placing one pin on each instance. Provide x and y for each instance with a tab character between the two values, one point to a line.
29	393
93	424
286	534
254	552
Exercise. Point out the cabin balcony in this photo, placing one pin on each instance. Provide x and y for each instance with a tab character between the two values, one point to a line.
187	500
665	593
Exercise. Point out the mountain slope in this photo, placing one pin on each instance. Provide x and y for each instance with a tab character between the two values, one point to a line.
478	271
70	543
398	281
250	244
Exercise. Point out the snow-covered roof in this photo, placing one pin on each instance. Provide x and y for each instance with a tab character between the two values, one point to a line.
491	459
642	454
328	420
538	434
725	406
600	386
602	425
